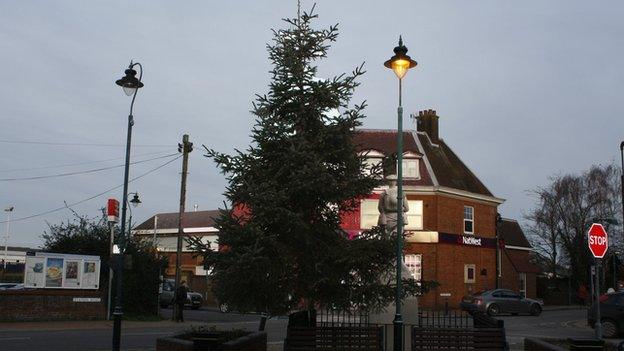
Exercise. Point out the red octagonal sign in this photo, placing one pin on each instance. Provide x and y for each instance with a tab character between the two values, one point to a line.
598	240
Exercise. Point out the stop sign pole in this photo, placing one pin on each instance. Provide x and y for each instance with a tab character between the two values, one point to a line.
598	242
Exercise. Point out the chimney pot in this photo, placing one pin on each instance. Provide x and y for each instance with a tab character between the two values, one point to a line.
427	122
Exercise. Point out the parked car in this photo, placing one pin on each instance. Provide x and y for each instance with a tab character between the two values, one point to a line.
611	314
11	286
194	300
497	301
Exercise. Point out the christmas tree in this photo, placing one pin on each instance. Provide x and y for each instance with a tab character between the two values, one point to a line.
282	246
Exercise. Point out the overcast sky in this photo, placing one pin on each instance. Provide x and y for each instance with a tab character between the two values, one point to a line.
524	90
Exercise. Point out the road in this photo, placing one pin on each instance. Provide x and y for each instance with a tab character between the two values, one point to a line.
97	335
142	335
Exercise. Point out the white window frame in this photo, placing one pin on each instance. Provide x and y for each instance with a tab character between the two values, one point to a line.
522	289
415	215
468	220
367	219
467	267
414	264
410	157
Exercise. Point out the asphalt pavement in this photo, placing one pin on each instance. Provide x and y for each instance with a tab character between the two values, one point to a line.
97	335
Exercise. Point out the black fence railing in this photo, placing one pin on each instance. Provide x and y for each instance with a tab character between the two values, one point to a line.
335	318
445	319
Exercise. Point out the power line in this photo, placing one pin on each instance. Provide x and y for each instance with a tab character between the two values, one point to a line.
92	197
6	141
81	172
77	163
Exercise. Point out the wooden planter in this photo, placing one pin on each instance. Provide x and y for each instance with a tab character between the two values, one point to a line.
212	341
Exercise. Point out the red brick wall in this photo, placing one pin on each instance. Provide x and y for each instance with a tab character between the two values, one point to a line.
40	305
510	277
450	214
445	264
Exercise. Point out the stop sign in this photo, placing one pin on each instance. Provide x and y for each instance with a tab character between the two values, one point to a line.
597	240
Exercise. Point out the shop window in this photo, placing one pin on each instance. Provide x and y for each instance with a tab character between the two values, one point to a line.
414	264
468	219
369	214
469	273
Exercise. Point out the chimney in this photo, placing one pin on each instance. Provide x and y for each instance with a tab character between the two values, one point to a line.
427	122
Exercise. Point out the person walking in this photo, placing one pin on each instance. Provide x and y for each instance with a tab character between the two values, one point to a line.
180	300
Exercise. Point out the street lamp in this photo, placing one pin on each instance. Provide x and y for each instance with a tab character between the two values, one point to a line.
130	84
400	62
135	202
8	210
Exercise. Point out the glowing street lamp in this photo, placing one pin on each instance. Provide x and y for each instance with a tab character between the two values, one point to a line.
400	63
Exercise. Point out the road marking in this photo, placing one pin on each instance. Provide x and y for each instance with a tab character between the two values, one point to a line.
15	338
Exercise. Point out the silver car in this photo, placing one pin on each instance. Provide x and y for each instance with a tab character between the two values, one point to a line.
193	300
495	302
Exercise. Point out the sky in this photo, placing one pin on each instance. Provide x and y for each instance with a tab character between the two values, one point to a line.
524	90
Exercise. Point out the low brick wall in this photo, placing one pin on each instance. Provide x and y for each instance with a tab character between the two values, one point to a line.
48	305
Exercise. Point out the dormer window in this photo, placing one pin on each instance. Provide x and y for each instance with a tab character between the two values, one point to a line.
410	166
373	159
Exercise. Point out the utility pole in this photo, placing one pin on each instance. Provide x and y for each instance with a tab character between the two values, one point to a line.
8	210
185	148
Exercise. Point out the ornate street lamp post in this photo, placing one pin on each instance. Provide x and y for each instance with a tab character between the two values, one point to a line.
400	62
130	84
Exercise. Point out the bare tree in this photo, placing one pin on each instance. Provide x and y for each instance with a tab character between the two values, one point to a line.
565	210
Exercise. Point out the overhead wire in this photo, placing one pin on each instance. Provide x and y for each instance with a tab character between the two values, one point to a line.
91	197
82	172
77	163
8	141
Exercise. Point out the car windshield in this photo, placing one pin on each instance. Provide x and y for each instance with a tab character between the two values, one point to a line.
480	292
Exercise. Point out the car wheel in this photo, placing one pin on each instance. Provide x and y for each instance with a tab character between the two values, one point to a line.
536	310
223	307
609	329
493	310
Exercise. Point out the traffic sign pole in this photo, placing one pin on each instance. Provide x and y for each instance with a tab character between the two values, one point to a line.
598	325
598	243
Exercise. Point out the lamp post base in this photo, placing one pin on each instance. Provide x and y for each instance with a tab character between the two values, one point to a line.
398	332
117	329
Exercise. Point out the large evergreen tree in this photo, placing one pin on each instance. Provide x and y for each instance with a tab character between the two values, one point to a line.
283	246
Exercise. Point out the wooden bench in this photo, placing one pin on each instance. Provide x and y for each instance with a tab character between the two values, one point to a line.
438	338
362	338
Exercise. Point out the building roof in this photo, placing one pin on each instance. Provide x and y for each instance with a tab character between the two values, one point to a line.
511	233
448	169
196	219
384	141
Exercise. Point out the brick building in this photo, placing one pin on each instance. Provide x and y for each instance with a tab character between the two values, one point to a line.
517	271
164	228
451	231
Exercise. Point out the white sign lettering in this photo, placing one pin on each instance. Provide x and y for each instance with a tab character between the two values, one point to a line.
470	240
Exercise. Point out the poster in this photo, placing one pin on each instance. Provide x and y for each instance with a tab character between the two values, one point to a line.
90	274
54	272
34	275
62	271
72	269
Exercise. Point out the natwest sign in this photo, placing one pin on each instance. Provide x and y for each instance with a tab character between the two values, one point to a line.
471	240
597	240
